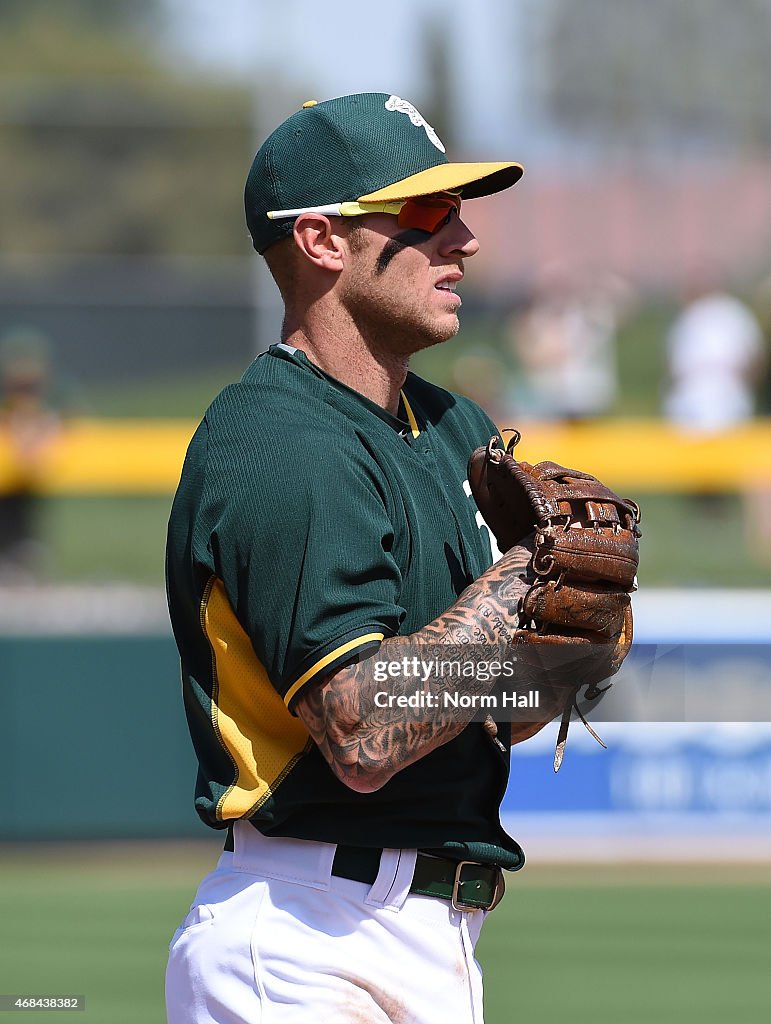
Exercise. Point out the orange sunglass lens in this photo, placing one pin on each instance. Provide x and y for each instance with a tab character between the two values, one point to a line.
427	214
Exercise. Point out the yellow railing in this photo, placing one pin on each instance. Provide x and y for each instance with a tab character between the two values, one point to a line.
145	456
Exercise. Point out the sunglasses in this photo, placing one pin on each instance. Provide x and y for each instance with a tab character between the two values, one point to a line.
427	213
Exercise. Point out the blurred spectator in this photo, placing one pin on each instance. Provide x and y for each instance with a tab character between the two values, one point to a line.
715	358
28	424
762	308
565	346
758	499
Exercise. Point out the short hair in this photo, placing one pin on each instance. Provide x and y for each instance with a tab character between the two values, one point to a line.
280	261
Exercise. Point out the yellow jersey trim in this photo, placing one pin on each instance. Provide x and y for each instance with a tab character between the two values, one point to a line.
328	659
410	416
261	738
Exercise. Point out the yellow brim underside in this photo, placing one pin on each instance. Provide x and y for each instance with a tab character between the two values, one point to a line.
470	180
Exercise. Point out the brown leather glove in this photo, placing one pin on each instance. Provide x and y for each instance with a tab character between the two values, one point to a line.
583	566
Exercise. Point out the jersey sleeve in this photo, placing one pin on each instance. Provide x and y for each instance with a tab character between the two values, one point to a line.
302	541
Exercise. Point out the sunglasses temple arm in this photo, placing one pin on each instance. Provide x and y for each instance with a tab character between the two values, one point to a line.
332	210
350	209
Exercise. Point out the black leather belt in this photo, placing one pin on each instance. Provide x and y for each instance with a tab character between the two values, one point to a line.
466	884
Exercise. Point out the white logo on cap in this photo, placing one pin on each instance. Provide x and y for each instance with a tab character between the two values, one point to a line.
397	103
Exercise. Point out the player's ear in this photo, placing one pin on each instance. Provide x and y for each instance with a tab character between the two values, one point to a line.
317	240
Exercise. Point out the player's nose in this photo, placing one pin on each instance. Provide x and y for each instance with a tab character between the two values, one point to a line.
457	238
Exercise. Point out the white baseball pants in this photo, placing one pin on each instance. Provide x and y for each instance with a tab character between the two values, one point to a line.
274	938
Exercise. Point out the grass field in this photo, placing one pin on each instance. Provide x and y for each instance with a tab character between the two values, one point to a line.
619	945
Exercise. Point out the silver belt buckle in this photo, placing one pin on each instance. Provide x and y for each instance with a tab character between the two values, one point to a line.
500	887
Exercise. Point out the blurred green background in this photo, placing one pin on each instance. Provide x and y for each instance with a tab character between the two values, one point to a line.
701	543
126	131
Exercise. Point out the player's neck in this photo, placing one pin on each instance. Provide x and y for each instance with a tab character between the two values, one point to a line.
355	361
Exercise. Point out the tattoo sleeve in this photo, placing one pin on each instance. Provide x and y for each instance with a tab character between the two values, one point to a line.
366	743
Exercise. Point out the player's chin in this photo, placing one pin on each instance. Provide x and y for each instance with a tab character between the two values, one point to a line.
451	323
445	320
440	330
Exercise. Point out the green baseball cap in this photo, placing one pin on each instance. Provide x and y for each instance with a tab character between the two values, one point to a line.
369	147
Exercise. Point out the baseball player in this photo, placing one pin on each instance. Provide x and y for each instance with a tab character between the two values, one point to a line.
322	528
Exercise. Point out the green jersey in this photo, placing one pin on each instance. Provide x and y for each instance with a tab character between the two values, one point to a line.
309	525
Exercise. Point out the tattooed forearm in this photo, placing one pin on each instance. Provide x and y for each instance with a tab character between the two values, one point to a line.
365	737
